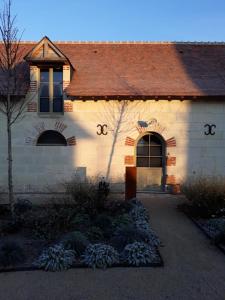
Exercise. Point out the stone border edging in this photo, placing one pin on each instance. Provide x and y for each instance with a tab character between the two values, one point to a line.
205	232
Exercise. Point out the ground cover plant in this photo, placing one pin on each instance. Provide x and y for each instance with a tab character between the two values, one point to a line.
206	206
64	233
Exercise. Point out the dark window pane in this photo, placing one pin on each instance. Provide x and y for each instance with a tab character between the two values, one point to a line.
154	140
142	162
144	140
44	104
143	150
57	105
51	138
57	90
57	76
155	162
155	150
44	90
44	76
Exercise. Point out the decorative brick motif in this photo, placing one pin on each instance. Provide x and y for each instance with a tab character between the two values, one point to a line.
33	86
60	126
171	142
32	107
68	106
129	141
129	160
71	141
171	161
170	179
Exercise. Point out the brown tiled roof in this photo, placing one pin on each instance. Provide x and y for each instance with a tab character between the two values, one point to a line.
145	69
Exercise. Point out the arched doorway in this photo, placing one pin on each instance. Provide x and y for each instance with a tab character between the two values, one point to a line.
150	162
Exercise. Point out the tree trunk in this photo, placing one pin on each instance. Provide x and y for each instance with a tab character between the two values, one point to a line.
10	178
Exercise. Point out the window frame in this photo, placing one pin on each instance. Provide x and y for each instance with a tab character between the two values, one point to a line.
149	146
50	69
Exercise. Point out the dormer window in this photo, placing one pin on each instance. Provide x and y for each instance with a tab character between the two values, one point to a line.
50	61
51	90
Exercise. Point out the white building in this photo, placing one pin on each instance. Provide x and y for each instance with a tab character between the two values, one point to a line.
152	110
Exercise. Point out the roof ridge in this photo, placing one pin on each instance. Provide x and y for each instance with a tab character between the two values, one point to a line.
131	42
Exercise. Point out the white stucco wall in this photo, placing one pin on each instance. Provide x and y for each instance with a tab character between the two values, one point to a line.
42	168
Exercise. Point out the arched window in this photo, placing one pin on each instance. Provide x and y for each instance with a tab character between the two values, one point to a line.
51	138
150	151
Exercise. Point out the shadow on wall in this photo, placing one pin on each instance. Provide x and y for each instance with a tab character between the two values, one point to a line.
201	67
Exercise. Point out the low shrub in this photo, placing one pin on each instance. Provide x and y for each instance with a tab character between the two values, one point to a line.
100	256
127	235
4	209
55	258
138	213
81	221
119	207
145	227
207	194
121	220
11	253
22	206
76	241
102	221
138	254
95	234
86	195
10	227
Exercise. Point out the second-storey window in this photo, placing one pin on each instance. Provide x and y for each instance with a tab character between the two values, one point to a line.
51	90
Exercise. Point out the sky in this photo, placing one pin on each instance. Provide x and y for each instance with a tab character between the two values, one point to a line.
121	20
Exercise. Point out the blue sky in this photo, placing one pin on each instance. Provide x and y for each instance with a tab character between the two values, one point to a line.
121	20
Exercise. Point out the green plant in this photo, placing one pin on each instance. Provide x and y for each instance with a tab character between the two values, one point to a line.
119	207
55	258
95	234
10	227
207	194
76	241
81	221
11	253
22	205
127	235
138	213
121	220
139	254
145	227
100	256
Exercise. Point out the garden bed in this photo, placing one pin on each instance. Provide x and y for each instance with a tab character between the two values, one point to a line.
86	231
213	228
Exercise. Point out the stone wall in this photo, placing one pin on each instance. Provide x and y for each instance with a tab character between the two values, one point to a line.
97	150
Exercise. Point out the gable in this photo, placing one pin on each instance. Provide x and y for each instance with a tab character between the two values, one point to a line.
45	51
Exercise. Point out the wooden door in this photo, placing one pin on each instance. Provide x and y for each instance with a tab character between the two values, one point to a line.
130	182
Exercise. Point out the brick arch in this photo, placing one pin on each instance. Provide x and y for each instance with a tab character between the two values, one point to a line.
170	142
39	128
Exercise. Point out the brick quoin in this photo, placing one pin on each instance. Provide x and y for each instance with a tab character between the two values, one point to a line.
170	179
171	161
32	107
68	106
171	142
129	160
71	141
129	141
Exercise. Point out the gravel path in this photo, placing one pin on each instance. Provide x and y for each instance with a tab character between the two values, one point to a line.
194	269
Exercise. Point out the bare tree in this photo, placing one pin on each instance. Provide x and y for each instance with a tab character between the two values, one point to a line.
13	83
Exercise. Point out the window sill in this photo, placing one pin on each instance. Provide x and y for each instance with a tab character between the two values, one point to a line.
50	115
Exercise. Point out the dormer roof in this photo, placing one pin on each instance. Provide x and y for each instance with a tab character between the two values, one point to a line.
46	51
